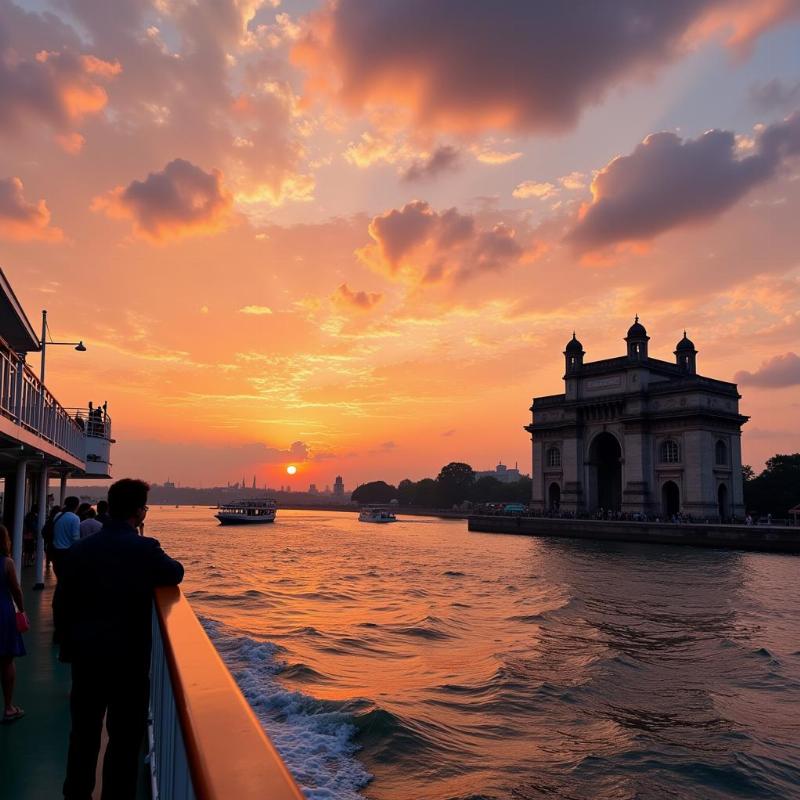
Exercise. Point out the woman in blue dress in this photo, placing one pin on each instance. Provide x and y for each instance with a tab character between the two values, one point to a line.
11	644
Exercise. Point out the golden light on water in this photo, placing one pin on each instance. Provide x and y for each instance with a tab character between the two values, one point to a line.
291	469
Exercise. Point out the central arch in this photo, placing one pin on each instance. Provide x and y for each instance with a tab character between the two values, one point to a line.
722	502
605	462
554	497
670	499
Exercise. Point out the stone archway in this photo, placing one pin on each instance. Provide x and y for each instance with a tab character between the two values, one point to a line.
554	497
670	499
605	464
723	508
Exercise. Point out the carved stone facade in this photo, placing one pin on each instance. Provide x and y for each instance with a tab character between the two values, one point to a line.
637	434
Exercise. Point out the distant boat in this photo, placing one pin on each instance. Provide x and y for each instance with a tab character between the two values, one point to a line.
246	512
374	514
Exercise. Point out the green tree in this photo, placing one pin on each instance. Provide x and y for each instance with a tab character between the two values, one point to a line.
427	494
455	481
405	492
374	492
776	489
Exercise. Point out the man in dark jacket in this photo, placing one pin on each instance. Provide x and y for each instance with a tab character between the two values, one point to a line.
106	606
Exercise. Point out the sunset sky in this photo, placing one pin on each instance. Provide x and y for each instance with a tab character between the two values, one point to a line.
356	236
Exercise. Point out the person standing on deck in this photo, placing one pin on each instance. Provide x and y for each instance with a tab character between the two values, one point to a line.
11	644
102	512
66	531
105	608
90	524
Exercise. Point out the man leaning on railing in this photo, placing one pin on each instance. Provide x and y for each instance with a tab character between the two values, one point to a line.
106	605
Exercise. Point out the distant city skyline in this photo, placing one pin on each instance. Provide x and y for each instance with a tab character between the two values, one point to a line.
282	244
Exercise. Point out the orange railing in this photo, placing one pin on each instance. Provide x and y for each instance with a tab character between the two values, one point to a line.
205	740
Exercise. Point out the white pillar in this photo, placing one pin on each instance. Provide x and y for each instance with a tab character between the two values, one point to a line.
43	481
63	494
19	515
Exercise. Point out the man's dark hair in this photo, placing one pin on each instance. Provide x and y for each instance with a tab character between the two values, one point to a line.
71	503
126	497
102	507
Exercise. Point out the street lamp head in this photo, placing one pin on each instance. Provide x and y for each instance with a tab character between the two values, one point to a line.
80	347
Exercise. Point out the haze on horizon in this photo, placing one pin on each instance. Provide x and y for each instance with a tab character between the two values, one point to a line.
356	237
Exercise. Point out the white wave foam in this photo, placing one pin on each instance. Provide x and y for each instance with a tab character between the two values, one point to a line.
316	743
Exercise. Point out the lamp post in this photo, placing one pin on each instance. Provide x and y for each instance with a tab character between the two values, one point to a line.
79	346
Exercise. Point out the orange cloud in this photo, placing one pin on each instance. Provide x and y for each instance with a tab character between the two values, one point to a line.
21	220
431	246
363	301
180	200
57	88
470	67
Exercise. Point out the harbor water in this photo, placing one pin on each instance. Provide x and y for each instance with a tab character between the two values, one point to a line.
418	661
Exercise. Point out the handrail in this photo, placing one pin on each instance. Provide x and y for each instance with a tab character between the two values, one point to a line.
228	753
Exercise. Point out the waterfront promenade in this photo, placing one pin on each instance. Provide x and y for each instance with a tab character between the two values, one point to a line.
765	538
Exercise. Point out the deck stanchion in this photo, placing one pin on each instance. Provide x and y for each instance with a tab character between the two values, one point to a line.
19	514
43	481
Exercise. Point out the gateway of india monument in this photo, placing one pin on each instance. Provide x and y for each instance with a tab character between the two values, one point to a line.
638	435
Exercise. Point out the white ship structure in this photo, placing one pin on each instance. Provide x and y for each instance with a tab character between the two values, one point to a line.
247	512
376	514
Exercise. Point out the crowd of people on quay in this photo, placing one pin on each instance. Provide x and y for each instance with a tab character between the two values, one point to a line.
607	514
106	570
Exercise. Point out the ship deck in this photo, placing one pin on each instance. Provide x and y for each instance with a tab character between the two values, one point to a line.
33	750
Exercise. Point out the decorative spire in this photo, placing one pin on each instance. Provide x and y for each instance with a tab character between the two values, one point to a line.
636	318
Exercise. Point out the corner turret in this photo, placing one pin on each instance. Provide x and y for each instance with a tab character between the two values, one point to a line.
573	353
637	340
686	355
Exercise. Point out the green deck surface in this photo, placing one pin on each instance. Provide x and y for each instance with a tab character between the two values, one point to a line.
33	750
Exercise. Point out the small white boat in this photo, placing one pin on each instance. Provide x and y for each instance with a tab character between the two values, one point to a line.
246	512
373	514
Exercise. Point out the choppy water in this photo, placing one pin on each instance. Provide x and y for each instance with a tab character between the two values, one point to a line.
418	660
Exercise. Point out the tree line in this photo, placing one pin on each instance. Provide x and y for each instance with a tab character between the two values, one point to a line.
454	485
774	490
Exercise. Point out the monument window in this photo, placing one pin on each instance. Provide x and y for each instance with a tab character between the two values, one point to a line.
553	457
721	453
670	453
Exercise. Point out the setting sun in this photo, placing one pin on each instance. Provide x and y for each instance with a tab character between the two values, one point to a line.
291	469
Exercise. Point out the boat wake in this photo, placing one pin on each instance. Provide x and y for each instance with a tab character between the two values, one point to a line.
314	737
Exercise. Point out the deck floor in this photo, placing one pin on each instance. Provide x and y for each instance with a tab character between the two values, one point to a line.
33	750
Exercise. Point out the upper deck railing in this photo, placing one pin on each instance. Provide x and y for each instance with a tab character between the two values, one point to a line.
28	403
205	740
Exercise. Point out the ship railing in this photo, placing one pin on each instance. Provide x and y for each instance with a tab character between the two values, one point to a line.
94	422
27	402
205	741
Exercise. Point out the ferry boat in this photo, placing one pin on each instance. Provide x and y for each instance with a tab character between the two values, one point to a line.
374	514
246	512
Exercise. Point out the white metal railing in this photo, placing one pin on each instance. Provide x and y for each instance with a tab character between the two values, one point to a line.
169	767
205	740
27	402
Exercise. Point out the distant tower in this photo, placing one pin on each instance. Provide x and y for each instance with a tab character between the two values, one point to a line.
338	487
637	340
312	489
686	355
254	481
573	353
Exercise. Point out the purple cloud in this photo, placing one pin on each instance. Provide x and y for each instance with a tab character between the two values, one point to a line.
777	372
668	181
